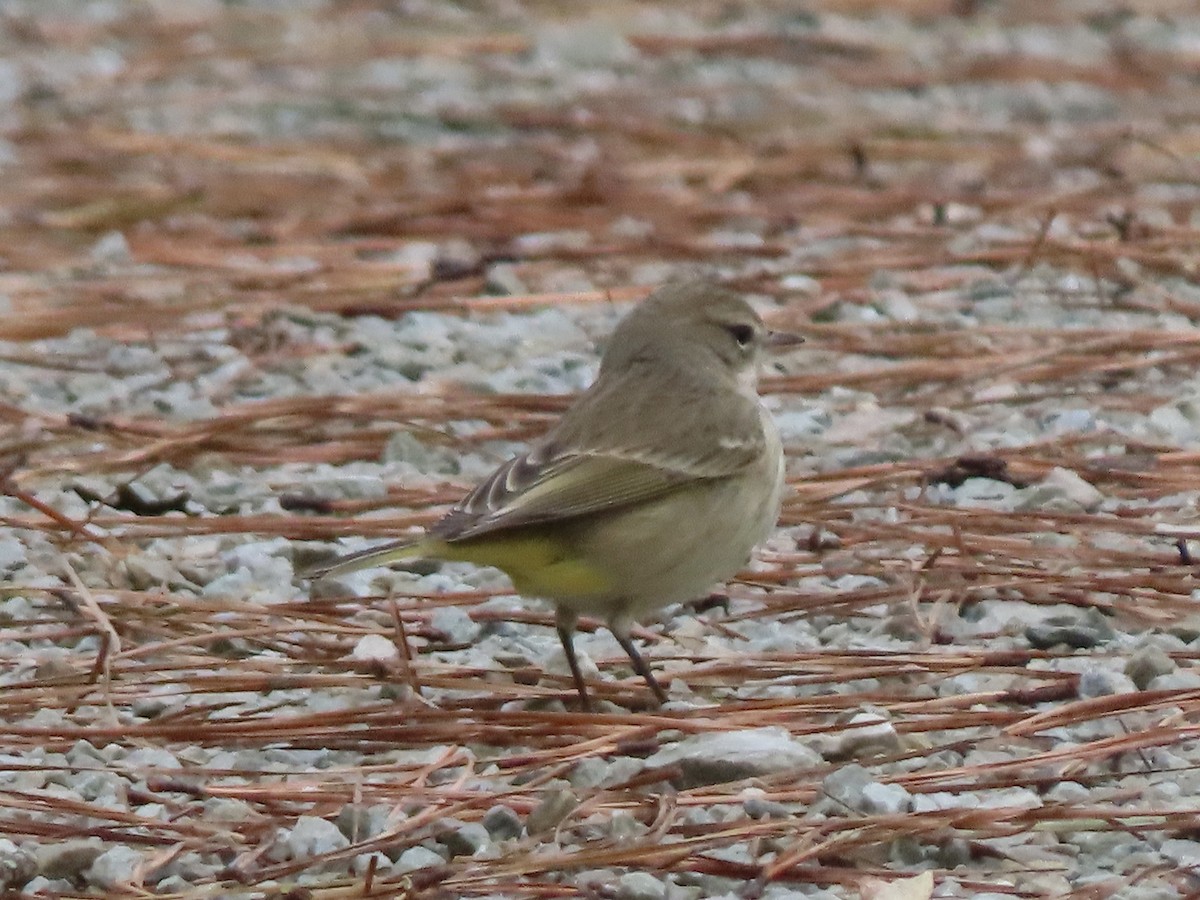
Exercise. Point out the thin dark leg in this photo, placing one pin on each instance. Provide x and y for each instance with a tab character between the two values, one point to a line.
564	621
639	664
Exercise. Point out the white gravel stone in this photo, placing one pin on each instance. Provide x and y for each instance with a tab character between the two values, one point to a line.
734	755
375	647
416	858
313	836
114	867
640	886
502	823
17	866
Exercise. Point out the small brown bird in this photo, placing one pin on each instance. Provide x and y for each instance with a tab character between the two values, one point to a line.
654	486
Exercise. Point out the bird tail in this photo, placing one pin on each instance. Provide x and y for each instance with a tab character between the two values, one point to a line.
372	556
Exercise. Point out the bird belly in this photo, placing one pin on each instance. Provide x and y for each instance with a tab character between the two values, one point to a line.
631	561
668	552
538	562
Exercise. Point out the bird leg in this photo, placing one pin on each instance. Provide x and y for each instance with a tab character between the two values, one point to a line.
621	633
564	621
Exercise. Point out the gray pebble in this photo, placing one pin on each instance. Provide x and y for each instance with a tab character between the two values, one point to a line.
228	809
556	805
12	554
406	447
151	758
17	866
502	823
866	733
114	867
112	248
844	787
1079	632
1062	490
502	278
985	493
1182	852
1068	792
466	840
758	807
147	572
52	887
415	858
624	828
313	836
588	773
640	886
173	884
733	755
1179	680
1097	682
358	822
887	799
456	623
1147	663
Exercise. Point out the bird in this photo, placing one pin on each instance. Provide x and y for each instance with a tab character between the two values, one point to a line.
654	486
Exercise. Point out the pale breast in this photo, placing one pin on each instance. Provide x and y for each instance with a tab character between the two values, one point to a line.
678	548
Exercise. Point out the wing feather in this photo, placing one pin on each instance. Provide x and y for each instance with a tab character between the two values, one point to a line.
598	460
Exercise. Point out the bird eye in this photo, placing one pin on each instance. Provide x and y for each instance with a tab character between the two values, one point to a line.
743	334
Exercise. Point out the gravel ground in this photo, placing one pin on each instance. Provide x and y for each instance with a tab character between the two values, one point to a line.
283	276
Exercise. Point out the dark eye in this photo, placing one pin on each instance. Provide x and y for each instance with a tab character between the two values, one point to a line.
743	334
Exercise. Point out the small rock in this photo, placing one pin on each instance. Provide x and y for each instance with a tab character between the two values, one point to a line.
456	623
114	867
1070	420
415	858
556	805
1062	489
362	863
466	840
984	493
502	278
152	758
502	823
1170	421
53	887
358	822
173	884
1147	663
1068	792
16	866
888	799
147	573
111	248
624	828
588	773
640	886
375	648
228	809
1179	680
733	755
548	243
845	786
1096	682
801	284
456	258
756	806
1181	852
68	860
1074	631
582	45
13	554
313	836
866	732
